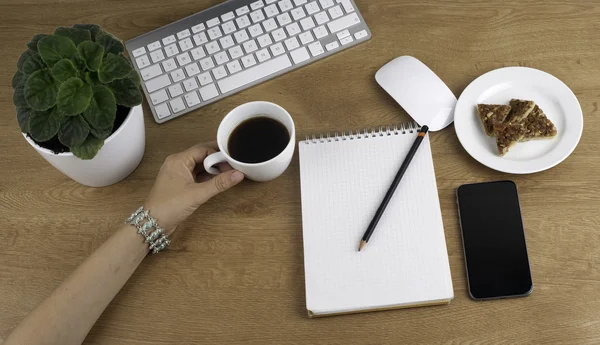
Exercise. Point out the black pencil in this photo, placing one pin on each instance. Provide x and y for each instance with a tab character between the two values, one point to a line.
390	192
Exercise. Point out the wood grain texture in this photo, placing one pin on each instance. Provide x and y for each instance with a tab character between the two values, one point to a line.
235	272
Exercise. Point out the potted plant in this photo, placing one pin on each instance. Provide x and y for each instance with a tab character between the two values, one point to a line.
78	100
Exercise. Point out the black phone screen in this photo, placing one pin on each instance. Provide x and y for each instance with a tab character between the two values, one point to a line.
494	240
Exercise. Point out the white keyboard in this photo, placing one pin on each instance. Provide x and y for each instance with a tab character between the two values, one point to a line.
235	45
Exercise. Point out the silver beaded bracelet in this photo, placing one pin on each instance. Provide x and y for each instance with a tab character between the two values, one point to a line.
157	240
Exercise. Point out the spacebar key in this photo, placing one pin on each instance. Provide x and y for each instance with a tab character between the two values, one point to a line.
254	73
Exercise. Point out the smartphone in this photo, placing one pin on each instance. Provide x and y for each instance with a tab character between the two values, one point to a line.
494	240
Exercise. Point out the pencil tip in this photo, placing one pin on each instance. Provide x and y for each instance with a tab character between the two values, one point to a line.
362	245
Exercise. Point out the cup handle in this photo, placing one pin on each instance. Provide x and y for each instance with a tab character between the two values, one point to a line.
210	161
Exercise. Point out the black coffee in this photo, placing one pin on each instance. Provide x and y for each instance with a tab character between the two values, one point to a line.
258	139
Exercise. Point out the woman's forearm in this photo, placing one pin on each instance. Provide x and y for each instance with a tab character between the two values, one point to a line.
66	316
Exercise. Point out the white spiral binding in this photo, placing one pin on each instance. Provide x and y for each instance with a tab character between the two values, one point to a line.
403	128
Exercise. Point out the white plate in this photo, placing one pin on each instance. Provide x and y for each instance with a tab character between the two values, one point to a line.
498	87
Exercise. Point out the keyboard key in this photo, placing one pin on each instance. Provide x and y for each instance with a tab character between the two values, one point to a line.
200	38
207	63
291	43
236	52
321	18
208	92
198	53
214	33
157	83
241	36
255	30
192	69
228	28
277	49
143	61
250	46
192	99
293	29
270	1
175	90
150	72
227	42
221	58
331	46
190	84
263	55
316	48
248	61
169	40
347	5
159	96
306	37
153	46
284	19
343	23
342	34
183	59
219	72
227	16
257	16
205	78
336	12
269	24
177	75
271	11
299	55
307	23
212	47
242	10
183	34
171	50
285	5
234	66
326	3
157	56
320	32
255	73
162	111
186	44
257	4
213	22
299	2
139	51
279	35
264	40
312	7
361	34
177	105
197	28
242	22
298	13
346	40
169	65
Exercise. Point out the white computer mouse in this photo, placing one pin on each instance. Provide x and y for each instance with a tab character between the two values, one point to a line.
423	95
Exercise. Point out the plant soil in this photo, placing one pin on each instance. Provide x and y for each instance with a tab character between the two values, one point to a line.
57	147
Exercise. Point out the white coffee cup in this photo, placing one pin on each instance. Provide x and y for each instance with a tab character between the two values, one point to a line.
263	171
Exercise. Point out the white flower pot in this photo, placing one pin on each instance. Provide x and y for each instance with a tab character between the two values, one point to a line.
121	154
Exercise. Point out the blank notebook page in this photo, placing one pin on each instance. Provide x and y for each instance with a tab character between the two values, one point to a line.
405	262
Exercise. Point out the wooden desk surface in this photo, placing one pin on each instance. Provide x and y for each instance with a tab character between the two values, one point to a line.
235	273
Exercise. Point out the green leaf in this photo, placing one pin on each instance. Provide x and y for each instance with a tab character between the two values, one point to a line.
77	35
73	130
41	90
73	96
17	78
43	125
19	95
126	92
89	148
92	78
101	133
53	48
103	108
110	43
63	70
135	77
34	41
79	62
113	67
92	28
33	63
23	115
91	53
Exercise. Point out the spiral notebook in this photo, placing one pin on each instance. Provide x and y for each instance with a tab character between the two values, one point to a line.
344	178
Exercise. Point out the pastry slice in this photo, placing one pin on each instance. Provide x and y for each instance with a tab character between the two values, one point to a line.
490	114
538	126
507	134
519	110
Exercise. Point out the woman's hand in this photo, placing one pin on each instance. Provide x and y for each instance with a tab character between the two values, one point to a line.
182	185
